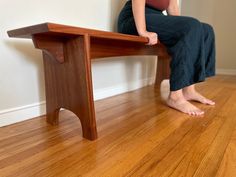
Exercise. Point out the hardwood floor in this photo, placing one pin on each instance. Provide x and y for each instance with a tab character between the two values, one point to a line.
138	136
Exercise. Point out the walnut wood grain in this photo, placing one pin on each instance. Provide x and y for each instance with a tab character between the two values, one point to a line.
65	30
67	55
69	85
109	47
162	71
51	45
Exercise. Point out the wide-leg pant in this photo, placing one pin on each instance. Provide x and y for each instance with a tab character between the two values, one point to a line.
190	43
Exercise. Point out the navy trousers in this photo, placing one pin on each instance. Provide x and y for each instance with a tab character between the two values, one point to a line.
190	43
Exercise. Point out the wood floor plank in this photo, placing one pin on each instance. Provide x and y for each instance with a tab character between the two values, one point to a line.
157	163
228	165
104	147
190	163
210	163
128	150
138	136
130	123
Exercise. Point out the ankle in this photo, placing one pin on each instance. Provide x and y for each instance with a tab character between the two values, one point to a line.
176	95
189	90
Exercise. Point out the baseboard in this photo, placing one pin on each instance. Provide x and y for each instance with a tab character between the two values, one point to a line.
18	114
121	88
226	71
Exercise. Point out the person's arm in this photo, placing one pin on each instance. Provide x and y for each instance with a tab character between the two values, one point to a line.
173	8
138	7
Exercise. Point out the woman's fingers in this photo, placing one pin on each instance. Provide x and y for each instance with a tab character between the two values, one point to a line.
152	37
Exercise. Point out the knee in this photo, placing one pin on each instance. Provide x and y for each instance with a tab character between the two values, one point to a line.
193	24
208	30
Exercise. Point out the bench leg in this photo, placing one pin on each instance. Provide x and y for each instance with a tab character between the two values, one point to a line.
163	69
79	81
52	115
69	83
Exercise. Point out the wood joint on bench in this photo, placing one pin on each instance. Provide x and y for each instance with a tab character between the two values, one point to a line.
53	46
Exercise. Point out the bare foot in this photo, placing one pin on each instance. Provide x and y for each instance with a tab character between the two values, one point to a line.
195	96
184	106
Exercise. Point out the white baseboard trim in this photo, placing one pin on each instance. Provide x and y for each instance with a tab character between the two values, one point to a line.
122	88
226	71
18	114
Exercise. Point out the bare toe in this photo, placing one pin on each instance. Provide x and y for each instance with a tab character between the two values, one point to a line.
196	112
184	106
191	113
209	102
200	113
195	96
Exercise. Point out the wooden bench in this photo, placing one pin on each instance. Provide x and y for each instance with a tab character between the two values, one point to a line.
67	54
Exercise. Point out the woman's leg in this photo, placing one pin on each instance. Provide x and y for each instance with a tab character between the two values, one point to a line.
194	56
190	60
184	39
209	42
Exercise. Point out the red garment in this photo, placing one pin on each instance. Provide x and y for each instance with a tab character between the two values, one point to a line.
158	4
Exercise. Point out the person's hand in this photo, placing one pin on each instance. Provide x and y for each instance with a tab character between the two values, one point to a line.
152	37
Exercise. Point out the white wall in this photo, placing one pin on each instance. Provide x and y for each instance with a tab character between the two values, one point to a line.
221	15
21	71
224	21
